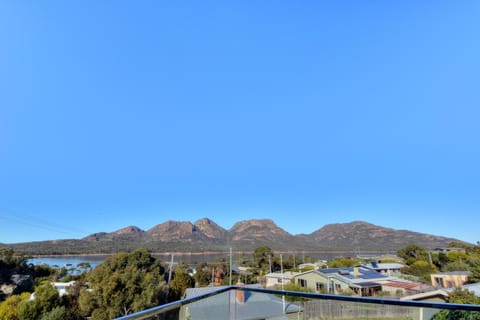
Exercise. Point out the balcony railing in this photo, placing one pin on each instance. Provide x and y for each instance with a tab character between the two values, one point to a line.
244	303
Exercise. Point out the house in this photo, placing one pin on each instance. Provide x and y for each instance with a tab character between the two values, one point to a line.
384	268
356	280
239	304
439	295
449	249
63	287
451	279
276	278
312	266
405	288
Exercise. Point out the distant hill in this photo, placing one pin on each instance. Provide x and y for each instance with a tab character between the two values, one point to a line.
206	235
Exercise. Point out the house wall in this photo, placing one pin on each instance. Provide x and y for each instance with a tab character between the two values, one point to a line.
448	280
318	283
271	282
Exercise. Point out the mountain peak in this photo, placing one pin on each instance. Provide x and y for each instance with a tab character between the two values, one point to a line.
129	230
173	230
257	230
211	229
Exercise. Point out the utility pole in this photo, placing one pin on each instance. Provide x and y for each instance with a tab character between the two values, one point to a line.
169	276
281	270
213	277
230	266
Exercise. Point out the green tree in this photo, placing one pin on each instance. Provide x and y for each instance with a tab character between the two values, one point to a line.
262	256
421	269
124	283
9	309
456	266
181	281
464	297
11	262
203	276
57	313
412	253
474	267
343	263
46	299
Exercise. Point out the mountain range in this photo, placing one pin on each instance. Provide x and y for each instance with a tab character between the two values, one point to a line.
206	235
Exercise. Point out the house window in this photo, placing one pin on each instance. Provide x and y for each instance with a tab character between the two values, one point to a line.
439	281
302	283
320	286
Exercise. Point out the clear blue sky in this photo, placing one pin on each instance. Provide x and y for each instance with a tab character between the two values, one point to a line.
117	113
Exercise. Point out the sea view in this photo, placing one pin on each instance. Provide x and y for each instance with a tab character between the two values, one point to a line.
192	258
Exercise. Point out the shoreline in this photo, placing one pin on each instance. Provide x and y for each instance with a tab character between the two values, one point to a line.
182	253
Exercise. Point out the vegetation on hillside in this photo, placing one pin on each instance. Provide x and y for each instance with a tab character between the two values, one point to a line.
128	282
421	263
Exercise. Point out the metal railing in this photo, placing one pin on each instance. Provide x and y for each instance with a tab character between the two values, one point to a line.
302	300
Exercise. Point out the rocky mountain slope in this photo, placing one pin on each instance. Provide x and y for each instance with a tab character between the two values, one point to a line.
206	235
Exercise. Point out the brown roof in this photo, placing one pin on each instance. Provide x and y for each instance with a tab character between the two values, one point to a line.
403	285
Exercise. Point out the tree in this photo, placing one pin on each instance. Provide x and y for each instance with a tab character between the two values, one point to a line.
9	308
46	299
464	297
473	263
124	283
57	313
203	276
262	256
412	253
421	269
181	281
342	263
11	262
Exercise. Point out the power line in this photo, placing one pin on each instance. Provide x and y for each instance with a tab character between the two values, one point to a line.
32	221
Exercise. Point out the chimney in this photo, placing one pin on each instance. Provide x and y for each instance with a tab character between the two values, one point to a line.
355	272
240	293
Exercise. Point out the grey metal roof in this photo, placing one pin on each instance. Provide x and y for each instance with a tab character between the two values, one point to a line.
193	292
225	306
367	284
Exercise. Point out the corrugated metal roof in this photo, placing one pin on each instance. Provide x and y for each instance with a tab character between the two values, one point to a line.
403	285
224	306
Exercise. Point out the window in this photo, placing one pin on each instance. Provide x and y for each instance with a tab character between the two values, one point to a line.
439	281
302	283
320	286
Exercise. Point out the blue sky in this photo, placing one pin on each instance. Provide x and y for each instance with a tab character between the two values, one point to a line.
117	113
